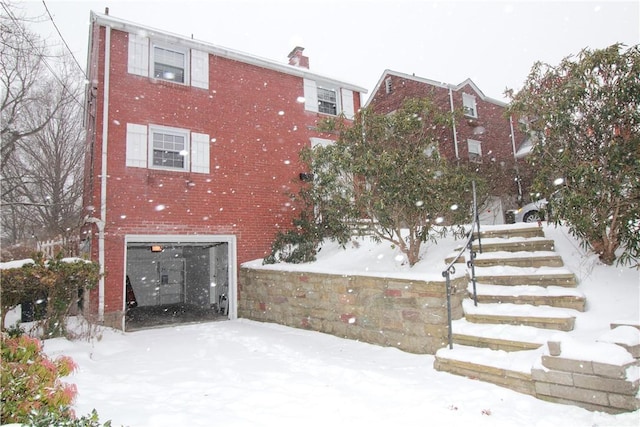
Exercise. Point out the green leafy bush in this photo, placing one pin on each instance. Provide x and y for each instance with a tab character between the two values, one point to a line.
31	381
58	420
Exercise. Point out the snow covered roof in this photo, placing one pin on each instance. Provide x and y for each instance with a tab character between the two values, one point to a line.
131	27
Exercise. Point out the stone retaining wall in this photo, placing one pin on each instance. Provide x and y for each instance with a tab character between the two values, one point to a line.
592	385
408	314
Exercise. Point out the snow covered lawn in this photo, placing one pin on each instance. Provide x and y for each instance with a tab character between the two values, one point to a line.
245	373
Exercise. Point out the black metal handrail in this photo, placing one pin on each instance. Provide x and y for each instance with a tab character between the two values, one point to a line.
450	269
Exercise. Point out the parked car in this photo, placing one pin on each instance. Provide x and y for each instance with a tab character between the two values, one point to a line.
531	212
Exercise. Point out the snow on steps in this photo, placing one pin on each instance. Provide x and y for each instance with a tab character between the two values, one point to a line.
523	292
514	244
546	317
513	230
539	276
519	259
504	337
555	296
508	369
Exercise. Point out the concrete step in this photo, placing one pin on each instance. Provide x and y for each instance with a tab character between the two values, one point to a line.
546	317
507	369
500	336
512	276
507	231
554	296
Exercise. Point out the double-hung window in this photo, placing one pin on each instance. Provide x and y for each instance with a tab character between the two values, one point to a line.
169	64
469	105
326	98
169	148
327	101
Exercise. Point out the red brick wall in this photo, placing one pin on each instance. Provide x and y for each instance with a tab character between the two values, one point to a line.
496	141
258	128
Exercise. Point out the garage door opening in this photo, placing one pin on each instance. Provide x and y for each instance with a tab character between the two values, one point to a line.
175	281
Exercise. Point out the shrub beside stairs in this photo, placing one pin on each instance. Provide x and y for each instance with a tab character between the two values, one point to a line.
526	299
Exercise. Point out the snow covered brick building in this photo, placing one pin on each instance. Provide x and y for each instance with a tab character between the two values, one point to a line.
483	134
191	151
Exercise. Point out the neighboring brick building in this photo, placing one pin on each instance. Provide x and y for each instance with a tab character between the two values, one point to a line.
484	134
191	151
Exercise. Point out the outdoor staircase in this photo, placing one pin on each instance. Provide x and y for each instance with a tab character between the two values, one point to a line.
524	298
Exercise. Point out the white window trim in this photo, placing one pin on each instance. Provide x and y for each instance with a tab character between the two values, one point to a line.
172	131
473	105
175	48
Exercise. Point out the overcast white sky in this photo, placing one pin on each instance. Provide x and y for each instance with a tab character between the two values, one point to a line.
494	43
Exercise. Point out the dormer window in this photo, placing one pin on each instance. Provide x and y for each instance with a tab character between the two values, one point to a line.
469	105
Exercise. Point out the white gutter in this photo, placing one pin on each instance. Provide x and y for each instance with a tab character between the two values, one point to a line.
103	171
130	27
455	132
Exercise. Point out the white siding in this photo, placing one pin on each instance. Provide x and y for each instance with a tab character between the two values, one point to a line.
347	104
199	152
200	69
310	95
138	55
136	146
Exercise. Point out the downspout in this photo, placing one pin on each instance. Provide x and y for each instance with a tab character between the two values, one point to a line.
455	132
515	158
103	171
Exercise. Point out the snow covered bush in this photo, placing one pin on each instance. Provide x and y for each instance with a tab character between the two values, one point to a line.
54	284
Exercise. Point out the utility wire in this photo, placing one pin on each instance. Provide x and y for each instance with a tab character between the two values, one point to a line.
63	40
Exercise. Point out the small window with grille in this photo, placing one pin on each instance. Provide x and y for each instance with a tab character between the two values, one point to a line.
475	150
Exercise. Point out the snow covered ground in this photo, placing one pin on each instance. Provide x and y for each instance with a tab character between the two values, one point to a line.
246	373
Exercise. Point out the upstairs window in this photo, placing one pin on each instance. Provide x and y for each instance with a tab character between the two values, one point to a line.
475	150
327	101
169	64
469	105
